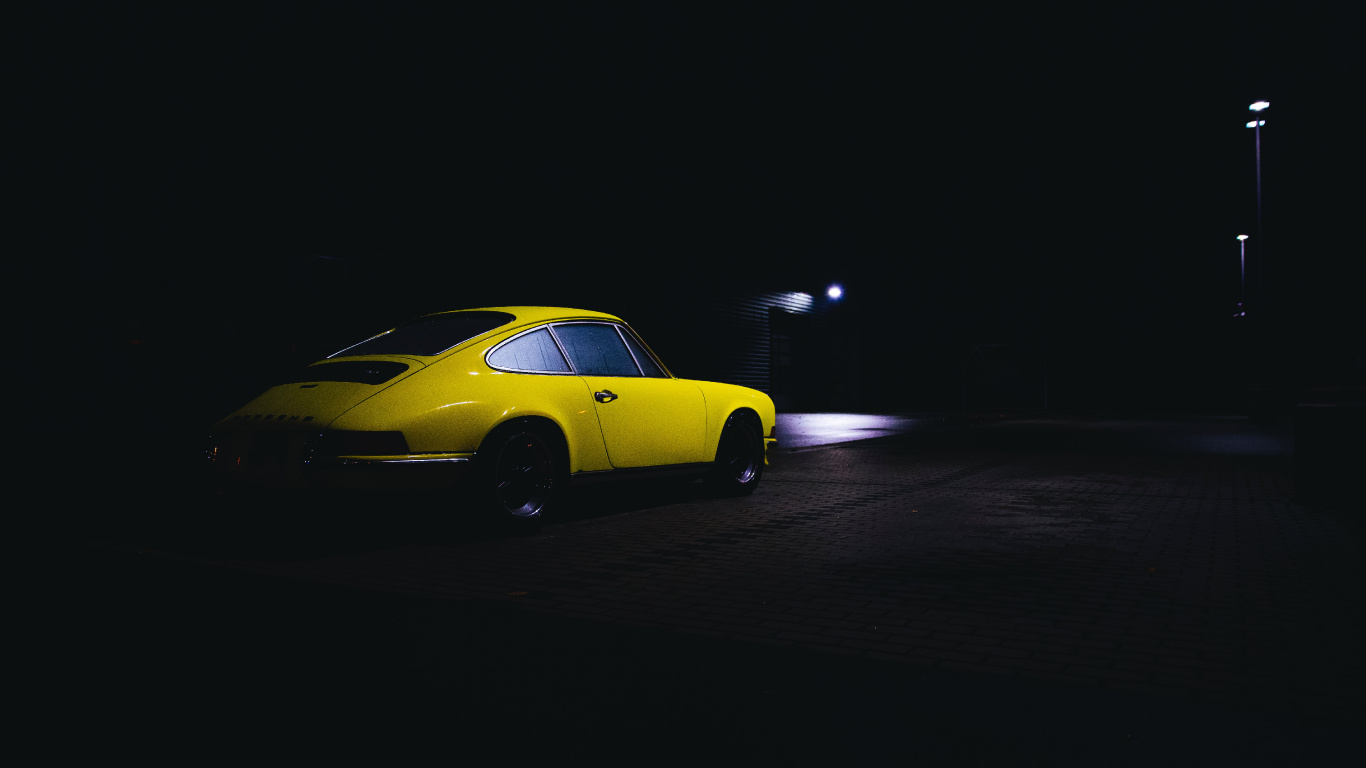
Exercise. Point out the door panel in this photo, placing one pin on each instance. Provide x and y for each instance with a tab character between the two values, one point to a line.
650	422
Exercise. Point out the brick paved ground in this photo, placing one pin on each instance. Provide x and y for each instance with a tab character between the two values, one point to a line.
1110	564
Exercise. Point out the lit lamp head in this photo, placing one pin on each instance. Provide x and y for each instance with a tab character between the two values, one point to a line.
1258	106
834	291
1242	237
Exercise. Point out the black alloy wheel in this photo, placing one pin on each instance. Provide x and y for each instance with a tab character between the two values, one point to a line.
522	474
739	457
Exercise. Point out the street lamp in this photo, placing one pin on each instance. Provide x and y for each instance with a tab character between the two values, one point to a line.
1242	275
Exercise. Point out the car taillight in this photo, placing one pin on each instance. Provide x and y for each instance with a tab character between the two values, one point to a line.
217	449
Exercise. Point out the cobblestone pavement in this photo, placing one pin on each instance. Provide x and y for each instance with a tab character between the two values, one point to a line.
1166	572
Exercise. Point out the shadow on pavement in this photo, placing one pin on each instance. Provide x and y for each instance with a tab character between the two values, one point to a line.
198	521
175	657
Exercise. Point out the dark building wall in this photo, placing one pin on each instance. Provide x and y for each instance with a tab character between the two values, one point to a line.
976	377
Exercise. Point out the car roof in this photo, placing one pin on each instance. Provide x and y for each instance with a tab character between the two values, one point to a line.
526	315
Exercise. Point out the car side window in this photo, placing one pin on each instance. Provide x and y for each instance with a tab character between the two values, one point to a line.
647	363
533	352
596	350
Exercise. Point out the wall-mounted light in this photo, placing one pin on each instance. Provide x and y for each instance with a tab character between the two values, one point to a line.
834	292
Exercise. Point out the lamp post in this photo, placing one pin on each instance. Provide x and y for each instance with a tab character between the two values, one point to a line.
1242	276
1257	130
1268	376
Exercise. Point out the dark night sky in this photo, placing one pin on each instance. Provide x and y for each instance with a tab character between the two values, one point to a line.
989	172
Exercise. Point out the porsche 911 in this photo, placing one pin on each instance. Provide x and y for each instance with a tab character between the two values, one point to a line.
508	404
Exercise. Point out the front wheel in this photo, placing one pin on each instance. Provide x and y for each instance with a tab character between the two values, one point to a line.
739	458
519	474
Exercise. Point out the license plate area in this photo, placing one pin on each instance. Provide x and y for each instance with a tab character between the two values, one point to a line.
266	457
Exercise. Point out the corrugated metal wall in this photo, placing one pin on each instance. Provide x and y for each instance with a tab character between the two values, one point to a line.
740	327
760	339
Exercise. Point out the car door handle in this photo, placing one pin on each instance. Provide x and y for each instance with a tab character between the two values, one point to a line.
605	396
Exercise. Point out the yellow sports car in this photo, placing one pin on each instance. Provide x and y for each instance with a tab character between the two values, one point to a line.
513	402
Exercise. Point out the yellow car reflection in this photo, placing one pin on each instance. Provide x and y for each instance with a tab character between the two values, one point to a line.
513	402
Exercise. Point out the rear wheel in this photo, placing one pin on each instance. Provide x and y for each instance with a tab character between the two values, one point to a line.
739	457
519	473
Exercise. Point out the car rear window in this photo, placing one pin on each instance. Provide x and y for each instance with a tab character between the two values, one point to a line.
430	335
533	352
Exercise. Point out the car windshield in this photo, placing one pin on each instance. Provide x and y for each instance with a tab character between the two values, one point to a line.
430	335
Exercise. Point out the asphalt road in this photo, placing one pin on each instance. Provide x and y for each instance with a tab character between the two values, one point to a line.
1042	592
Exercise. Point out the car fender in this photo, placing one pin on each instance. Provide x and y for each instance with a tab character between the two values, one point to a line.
451	409
725	399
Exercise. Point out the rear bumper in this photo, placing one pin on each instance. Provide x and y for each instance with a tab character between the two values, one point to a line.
291	460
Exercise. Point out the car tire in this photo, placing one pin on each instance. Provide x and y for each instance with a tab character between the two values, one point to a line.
739	457
520	474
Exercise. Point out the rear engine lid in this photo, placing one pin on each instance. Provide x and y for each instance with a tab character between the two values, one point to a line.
315	396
